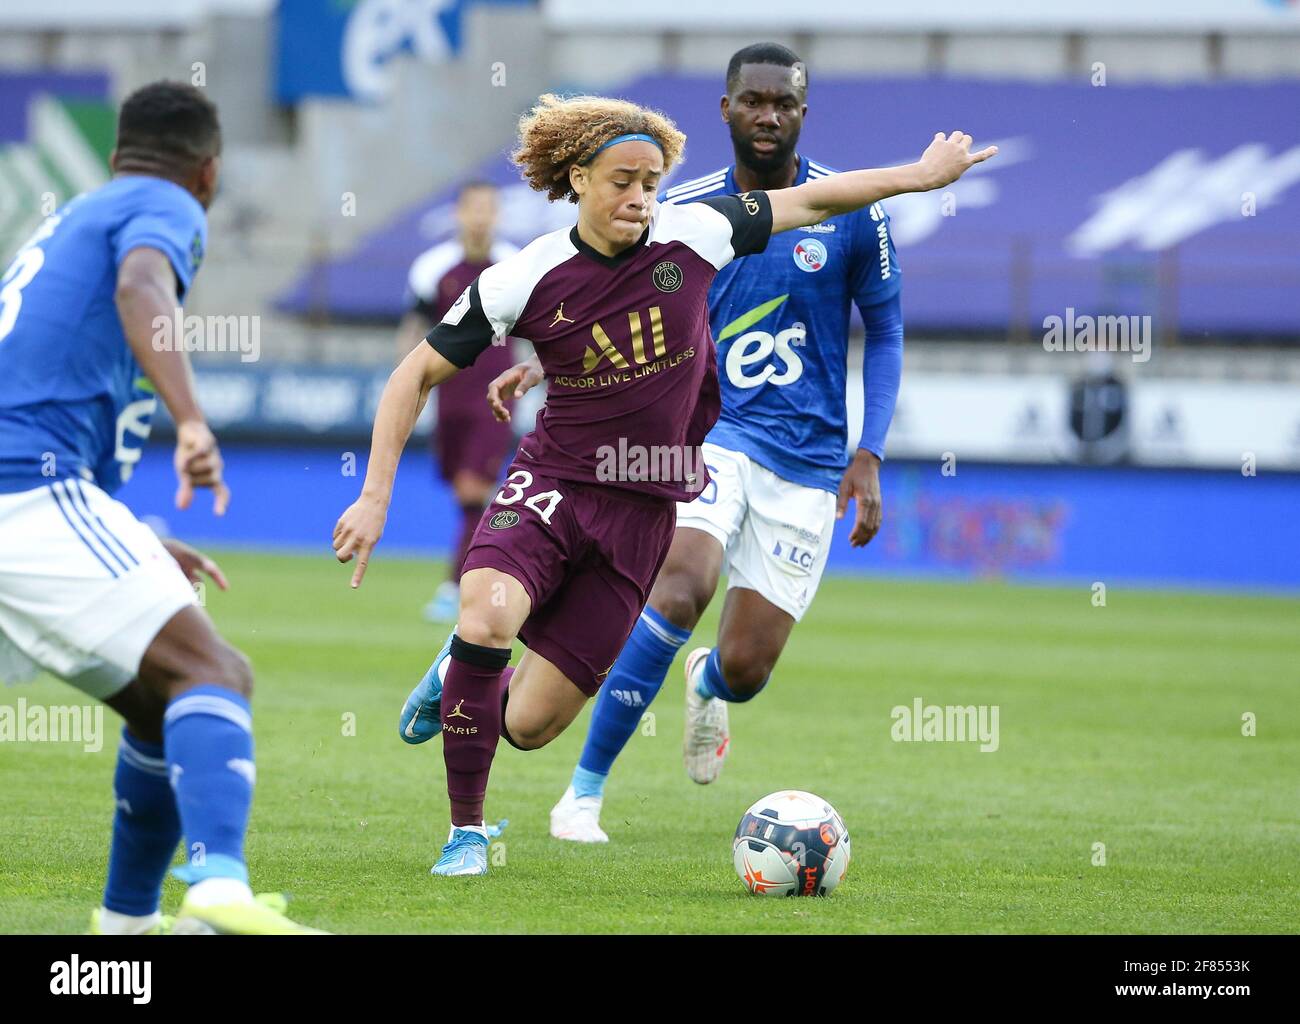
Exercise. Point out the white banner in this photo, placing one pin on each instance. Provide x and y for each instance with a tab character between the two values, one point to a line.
1027	418
750	16
1194	423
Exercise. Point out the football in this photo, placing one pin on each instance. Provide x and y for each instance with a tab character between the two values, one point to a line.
791	843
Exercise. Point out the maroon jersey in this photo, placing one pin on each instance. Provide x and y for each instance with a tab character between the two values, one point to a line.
632	379
436	278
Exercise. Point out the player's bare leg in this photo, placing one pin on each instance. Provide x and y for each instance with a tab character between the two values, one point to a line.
543	702
751	636
689	578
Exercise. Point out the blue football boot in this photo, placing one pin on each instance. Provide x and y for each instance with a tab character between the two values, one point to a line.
421	718
466	852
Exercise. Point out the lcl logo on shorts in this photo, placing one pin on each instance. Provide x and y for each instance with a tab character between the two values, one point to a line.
793	557
504	520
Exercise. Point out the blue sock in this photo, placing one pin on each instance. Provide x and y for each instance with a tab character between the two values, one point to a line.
630	687
208	736
709	681
146	828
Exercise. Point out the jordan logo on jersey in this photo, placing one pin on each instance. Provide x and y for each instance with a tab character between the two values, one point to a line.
560	317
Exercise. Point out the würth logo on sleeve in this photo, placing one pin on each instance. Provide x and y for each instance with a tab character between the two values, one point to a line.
667	276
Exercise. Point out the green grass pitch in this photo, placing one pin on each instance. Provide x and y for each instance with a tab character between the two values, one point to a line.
1120	725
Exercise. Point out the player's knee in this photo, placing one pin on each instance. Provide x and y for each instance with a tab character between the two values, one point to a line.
147	725
744	671
484	627
230	668
681	601
525	734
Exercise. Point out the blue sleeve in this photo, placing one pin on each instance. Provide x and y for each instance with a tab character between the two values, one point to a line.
882	369
172	223
876	276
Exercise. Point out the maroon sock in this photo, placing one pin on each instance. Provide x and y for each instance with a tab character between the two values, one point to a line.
472	713
505	699
469	518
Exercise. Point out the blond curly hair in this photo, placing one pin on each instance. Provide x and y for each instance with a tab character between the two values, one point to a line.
560	132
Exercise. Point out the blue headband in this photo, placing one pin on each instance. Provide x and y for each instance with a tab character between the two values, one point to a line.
635	137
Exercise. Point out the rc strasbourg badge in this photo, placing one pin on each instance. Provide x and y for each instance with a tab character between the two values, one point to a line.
667	276
504	519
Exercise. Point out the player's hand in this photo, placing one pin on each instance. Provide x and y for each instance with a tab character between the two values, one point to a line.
861	483
198	464
522	378
948	157
193	562
358	531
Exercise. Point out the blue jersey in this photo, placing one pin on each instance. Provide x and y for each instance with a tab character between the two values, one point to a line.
73	400
780	319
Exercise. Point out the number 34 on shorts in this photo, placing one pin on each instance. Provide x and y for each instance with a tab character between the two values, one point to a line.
516	488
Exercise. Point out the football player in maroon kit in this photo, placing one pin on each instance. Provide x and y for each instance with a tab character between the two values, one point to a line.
617	310
469	444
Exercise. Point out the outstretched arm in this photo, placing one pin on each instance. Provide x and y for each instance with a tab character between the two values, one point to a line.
360	527
945	160
145	296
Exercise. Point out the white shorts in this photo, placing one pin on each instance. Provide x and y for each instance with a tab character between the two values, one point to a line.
84	587
775	535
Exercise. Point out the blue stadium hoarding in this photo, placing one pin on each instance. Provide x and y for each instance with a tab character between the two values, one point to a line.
1025	523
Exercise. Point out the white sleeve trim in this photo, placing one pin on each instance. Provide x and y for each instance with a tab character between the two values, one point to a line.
699	226
505	288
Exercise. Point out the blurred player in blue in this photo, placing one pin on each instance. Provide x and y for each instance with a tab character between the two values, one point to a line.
87	591
777	453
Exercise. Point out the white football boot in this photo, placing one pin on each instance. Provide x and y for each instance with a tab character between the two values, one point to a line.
707	737
577	819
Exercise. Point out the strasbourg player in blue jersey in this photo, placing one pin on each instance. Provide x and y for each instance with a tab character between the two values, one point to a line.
88	592
776	456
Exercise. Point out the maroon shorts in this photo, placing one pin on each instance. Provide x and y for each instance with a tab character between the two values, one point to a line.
472	443
587	556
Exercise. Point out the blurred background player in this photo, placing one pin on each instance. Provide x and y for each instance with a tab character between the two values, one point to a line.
777	453
87	591
469	444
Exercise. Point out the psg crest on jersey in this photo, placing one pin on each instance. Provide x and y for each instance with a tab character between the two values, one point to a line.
504	519
809	255
667	276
